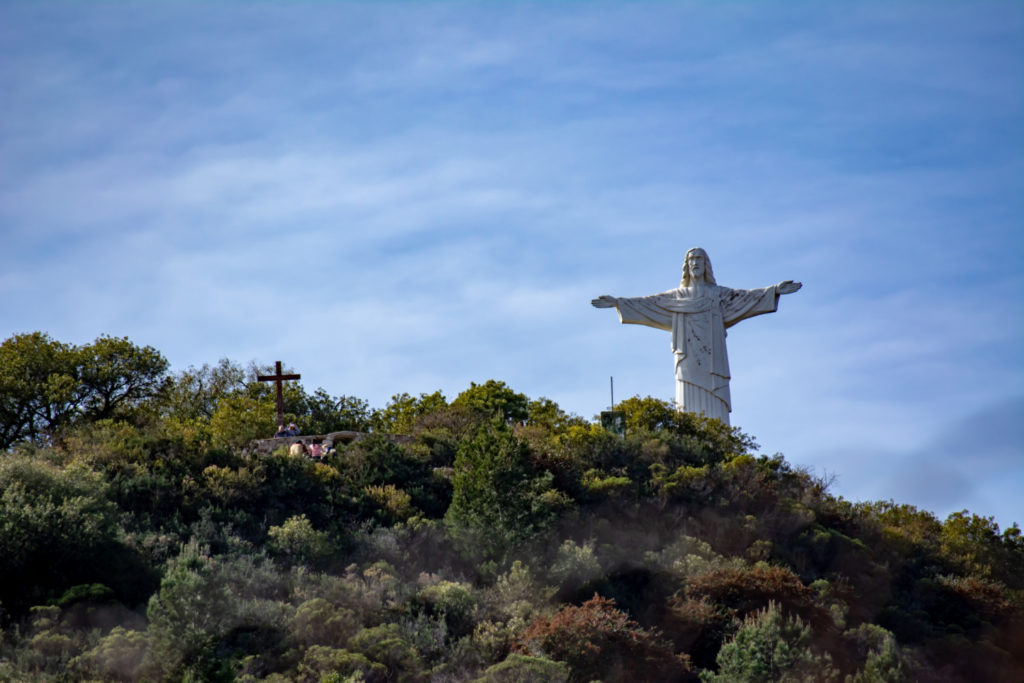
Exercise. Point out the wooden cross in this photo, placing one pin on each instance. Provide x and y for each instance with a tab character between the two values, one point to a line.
278	379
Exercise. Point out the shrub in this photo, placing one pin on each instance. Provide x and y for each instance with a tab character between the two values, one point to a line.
401	413
517	594
741	590
453	602
494	399
213	611
600	486
771	647
599	641
395	503
499	499
118	656
519	668
378	462
318	622
877	648
297	541
575	564
57	530
240	419
387	645
686	556
320	662
709	609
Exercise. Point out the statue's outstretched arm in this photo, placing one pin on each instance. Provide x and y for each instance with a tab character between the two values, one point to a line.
603	301
788	287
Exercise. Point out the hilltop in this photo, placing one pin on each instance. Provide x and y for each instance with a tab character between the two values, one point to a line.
488	537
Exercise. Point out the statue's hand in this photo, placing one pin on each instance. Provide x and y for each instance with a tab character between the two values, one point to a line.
788	287
603	301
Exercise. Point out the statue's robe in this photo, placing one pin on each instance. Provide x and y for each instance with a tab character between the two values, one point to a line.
697	319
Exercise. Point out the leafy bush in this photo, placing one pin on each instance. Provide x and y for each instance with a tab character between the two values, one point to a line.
298	542
240	419
575	564
395	504
452	602
495	399
118	656
46	385
884	661
519	668
499	498
320	663
378	461
710	608
319	622
58	529
771	647
387	645
212	612
600	642
399	416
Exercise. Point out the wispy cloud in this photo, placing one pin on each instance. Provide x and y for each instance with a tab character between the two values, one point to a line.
404	197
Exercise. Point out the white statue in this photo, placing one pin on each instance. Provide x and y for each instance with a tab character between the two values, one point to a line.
697	314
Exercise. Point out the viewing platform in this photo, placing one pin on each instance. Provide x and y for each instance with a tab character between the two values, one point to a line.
333	439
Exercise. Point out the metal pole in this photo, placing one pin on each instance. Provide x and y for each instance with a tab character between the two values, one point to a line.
611	383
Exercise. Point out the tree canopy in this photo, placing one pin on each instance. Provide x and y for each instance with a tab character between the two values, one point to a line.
46	385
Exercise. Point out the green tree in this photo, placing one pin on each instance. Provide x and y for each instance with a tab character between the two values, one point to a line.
715	439
378	462
299	542
324	414
494	399
974	545
57	530
240	419
400	414
499	499
186	617
546	413
212	613
196	392
388	645
883	659
118	656
771	647
40	390
117	375
46	385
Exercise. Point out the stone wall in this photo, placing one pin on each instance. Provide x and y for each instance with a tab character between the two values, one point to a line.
268	446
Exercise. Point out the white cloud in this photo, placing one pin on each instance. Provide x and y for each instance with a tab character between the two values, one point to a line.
403	198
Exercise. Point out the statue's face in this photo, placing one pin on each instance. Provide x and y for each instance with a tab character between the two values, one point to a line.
697	264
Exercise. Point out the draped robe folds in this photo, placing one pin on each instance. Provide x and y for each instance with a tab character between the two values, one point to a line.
697	317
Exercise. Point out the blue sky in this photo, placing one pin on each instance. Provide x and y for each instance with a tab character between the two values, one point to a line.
397	197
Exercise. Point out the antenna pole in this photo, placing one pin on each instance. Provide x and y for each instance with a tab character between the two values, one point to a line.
611	383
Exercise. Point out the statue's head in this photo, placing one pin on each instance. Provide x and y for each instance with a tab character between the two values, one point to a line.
697	268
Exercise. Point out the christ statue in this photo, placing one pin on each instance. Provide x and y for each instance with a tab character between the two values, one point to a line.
697	314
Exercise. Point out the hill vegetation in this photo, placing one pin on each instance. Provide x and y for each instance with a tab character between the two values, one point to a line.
503	540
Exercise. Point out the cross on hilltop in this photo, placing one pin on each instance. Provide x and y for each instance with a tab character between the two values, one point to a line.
278	379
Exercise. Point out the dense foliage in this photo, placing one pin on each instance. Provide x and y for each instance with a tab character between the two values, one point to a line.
492	538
